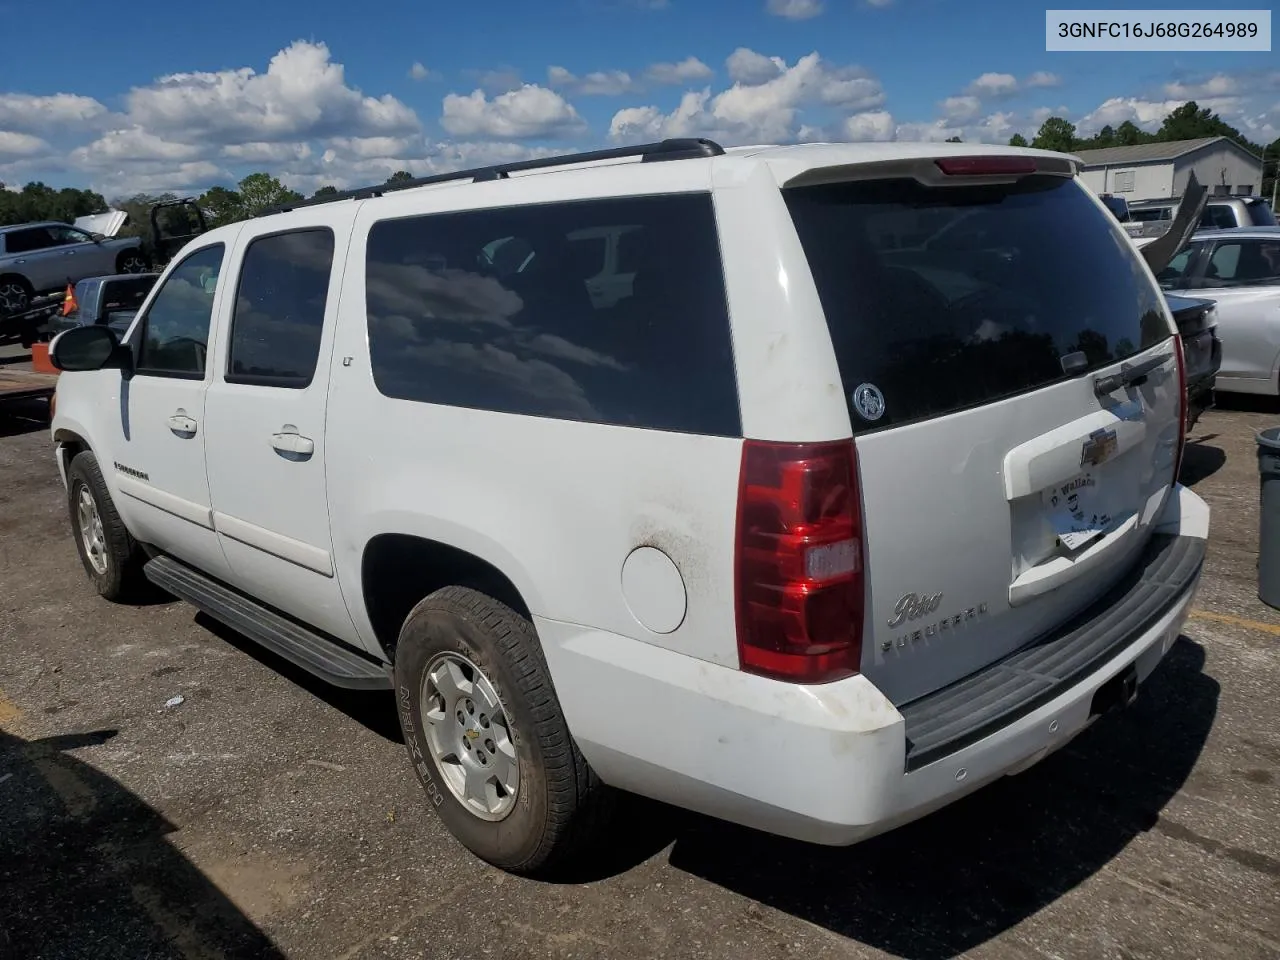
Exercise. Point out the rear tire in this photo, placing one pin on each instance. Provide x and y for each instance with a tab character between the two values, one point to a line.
111	557
476	704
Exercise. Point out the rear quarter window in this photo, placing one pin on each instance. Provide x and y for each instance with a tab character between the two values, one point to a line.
945	298
491	309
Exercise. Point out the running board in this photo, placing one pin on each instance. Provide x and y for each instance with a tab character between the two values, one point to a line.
325	658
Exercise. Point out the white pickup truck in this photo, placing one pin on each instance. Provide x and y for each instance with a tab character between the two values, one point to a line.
860	493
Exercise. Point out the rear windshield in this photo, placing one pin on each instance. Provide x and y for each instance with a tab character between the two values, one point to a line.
1260	213
943	298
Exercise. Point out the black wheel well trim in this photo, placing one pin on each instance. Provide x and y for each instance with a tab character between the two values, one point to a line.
397	570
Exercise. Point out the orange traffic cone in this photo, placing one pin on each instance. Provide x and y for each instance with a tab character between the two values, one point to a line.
69	304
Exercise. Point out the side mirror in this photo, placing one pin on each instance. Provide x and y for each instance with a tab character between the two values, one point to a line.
98	237
89	348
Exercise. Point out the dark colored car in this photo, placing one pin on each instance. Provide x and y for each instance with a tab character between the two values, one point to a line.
1197	322
112	300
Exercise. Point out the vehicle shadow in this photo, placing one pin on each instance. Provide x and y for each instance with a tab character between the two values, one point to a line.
958	878
1200	460
374	710
86	869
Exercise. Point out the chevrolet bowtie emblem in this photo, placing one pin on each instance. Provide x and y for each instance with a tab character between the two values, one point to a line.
1100	446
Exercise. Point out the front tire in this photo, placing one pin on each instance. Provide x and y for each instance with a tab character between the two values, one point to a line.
111	557
486	735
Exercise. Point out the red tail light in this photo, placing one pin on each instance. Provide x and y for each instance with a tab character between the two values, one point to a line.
985	166
1182	406
799	561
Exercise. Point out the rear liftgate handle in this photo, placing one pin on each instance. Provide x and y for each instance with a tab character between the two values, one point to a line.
292	445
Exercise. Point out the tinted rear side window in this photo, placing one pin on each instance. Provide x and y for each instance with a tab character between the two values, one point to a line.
491	309
1008	288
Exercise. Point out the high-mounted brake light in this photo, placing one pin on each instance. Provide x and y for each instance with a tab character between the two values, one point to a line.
985	166
799	561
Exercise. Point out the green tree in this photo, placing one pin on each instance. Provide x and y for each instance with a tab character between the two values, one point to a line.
1056	134
261	191
400	176
328	190
1018	140
1129	134
38	201
954	140
221	206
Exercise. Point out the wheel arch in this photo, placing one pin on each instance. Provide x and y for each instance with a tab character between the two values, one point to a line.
398	569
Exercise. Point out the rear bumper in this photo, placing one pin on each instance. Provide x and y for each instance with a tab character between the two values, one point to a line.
837	763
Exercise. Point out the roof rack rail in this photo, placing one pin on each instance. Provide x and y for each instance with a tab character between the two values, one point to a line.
681	148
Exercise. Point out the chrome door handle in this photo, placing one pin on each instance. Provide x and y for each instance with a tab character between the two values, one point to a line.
182	425
292	445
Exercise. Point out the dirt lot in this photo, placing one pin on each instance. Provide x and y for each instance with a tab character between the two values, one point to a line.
269	816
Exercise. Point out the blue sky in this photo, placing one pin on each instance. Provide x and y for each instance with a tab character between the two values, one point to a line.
315	93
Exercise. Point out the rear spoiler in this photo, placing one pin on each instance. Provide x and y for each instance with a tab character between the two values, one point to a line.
1161	251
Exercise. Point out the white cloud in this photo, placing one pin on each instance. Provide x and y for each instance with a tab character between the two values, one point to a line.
355	162
1042	78
673	74
747	66
1147	114
419	71
302	94
993	85
758	112
117	181
880	3
1219	85
872	125
13	144
529	113
268	152
26	112
601	83
132	143
794	9
960	108
934	132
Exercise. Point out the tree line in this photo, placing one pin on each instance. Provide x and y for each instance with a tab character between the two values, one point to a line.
1188	122
260	191
253	195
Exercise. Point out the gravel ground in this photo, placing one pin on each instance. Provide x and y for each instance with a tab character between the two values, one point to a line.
269	816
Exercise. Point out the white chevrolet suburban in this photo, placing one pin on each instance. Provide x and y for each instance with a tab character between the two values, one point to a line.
854	489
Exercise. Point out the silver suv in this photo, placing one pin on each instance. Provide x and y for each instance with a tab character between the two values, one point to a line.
1219	213
37	258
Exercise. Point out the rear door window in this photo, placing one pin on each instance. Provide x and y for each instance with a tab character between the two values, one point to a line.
1243	263
1010	288
280	307
492	309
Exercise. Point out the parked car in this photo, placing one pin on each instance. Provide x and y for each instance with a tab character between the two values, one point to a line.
38	258
812	531
111	300
1240	270
1149	218
1197	321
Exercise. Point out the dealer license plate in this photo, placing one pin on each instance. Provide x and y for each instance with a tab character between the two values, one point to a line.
1075	511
